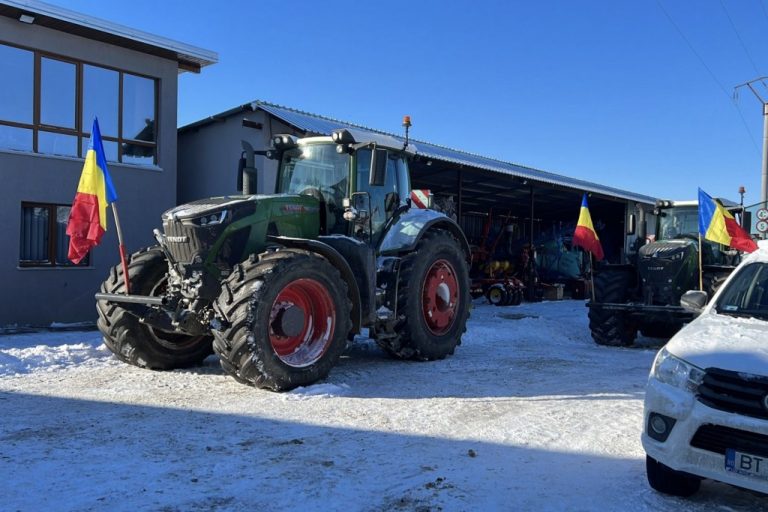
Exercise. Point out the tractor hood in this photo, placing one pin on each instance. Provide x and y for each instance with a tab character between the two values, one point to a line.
667	249
207	206
667	269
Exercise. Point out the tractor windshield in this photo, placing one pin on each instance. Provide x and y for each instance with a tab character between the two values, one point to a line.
316	170
678	222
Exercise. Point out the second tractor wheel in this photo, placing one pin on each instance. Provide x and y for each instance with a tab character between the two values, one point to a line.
433	299
286	318
610	327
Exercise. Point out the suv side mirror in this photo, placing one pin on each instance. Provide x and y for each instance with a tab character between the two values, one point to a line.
694	300
378	172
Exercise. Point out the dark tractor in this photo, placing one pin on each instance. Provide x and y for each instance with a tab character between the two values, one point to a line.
645	294
276	285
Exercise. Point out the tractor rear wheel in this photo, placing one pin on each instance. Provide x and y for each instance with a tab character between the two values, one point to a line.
134	342
610	327
433	300
285	318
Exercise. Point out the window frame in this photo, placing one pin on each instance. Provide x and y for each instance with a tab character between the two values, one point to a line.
52	238
83	132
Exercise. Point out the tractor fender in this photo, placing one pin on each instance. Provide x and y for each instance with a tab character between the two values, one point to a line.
406	231
335	259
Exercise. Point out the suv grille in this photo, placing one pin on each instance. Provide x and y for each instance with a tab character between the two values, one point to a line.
735	392
715	438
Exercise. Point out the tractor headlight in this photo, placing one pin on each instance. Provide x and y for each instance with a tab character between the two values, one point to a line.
212	219
676	372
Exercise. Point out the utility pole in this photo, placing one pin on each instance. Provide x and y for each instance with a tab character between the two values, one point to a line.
764	183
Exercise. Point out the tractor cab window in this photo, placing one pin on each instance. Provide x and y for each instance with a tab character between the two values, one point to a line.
319	171
386	198
678	222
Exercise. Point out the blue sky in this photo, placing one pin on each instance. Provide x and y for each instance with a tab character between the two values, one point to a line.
631	94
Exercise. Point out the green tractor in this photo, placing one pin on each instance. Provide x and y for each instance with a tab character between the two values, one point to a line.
277	284
645	294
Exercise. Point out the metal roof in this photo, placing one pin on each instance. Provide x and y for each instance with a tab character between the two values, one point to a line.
190	58
320	125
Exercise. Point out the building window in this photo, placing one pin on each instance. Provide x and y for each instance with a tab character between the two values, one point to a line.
49	102
44	240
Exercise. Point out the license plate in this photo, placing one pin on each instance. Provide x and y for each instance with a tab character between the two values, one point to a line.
746	463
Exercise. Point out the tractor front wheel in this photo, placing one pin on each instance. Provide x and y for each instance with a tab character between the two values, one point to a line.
285	318
134	342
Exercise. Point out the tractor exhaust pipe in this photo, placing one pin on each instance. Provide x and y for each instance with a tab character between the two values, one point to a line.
246	170
642	224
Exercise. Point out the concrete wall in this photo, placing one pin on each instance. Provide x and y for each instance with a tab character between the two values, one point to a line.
208	155
36	296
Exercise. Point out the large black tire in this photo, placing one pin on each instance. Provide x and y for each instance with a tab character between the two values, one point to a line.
668	481
611	328
134	342
286	315
433	300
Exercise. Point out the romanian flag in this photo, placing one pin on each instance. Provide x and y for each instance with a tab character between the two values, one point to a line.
88	217
717	224
585	235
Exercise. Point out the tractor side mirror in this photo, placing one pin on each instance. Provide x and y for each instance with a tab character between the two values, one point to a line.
378	173
746	220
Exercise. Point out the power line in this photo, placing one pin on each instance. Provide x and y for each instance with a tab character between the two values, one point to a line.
738	36
765	12
731	99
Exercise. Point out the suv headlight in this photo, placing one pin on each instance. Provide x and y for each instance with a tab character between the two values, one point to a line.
676	372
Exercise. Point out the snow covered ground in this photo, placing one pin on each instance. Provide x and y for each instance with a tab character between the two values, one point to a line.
529	414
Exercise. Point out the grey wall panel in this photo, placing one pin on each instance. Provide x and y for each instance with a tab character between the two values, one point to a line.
31	296
208	156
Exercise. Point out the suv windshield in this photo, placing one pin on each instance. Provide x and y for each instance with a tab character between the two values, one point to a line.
677	222
747	293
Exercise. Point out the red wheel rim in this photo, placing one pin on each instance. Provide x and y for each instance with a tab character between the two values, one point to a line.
302	322
440	297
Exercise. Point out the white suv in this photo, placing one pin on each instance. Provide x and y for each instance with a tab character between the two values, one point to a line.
706	402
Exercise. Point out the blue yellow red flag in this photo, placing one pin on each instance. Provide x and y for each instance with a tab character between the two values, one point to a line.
88	216
585	235
717	224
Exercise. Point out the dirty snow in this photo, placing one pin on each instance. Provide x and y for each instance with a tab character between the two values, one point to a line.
529	414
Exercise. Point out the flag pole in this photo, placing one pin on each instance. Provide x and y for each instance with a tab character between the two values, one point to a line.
701	269
591	276
123	259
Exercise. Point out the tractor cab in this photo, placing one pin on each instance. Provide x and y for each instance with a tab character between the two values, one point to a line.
677	223
359	186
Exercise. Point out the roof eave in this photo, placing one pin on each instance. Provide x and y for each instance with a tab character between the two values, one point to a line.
190	58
